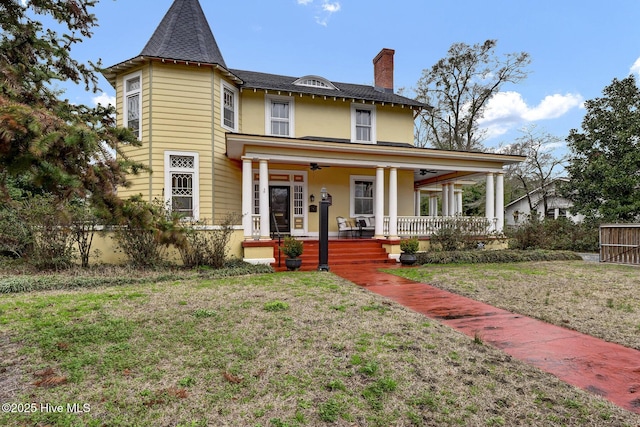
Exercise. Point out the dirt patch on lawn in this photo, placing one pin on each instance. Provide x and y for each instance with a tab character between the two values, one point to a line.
10	368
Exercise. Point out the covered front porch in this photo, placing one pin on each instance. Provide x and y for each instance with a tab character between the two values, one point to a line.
282	179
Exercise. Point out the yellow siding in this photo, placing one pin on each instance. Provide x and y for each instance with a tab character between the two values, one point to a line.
327	117
227	174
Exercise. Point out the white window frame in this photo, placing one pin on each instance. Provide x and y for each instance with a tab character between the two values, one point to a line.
125	96
224	85
268	100
354	133
352	195
168	171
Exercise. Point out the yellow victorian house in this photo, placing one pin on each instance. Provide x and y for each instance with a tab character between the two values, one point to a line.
221	140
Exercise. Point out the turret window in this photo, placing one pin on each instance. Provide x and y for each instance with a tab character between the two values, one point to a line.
181	187
229	107
133	102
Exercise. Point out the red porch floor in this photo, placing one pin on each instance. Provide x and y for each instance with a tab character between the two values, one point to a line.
609	370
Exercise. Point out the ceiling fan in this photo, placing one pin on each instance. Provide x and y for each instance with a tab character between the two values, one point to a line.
423	172
315	166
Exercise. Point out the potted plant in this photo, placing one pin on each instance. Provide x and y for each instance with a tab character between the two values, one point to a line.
292	248
409	247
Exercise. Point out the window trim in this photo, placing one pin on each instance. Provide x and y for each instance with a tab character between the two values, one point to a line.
224	85
268	99
352	194
372	108
168	170
126	94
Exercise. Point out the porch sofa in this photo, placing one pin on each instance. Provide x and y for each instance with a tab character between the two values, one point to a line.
361	227
366	226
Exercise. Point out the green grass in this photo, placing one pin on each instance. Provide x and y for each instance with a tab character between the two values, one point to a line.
269	350
571	294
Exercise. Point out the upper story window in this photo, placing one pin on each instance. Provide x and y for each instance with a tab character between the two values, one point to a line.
133	102
315	81
363	123
229	107
279	116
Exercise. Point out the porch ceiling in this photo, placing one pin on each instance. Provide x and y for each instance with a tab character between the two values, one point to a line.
429	165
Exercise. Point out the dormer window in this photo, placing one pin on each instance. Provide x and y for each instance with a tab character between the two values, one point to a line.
315	81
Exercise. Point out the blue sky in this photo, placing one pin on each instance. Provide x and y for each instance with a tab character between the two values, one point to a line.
577	47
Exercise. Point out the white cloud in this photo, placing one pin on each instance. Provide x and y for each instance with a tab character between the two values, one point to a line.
507	110
323	11
635	68
331	7
104	99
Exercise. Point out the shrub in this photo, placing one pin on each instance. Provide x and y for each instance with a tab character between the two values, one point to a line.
559	234
48	222
458	234
409	246
84	223
15	236
501	256
145	232
292	247
204	247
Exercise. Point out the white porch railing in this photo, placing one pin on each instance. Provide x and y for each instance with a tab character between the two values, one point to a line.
255	226
423	226
420	226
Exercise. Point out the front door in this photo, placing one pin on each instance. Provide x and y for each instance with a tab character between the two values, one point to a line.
280	207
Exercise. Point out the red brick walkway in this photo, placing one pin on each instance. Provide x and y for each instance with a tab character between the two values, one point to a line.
609	370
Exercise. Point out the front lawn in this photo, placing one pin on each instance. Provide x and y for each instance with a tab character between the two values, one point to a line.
601	300
285	349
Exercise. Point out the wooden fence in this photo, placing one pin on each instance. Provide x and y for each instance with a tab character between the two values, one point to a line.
620	243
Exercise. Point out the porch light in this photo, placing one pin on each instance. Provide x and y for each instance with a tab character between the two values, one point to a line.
312	198
323	193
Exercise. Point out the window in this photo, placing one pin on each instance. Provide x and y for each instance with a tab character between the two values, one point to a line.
362	196
229	107
279	116
363	123
315	81
133	102
182	183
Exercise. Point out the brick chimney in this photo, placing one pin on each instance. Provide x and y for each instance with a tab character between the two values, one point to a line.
383	70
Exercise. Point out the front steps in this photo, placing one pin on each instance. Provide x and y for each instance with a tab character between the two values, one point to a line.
341	252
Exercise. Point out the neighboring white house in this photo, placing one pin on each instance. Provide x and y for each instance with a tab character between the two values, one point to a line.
519	210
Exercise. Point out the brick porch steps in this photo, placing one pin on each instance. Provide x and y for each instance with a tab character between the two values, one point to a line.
341	252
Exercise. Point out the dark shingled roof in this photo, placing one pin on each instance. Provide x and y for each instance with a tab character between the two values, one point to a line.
257	80
184	34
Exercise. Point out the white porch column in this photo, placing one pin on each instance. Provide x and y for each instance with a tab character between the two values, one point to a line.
433	204
265	224
247	198
417	199
500	202
445	199
393	203
490	201
379	208
459	209
452	199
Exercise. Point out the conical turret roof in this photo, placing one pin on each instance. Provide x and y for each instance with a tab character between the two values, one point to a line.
184	34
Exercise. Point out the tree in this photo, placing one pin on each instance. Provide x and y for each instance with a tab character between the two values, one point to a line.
458	88
47	143
604	164
539	169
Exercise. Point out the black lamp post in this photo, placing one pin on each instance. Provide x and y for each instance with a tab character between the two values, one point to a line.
323	256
